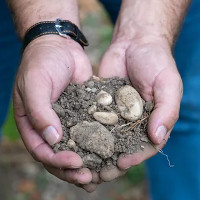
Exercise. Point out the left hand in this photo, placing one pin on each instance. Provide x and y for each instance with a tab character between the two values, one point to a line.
152	70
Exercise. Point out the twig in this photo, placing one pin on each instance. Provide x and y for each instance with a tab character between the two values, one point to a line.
121	126
136	123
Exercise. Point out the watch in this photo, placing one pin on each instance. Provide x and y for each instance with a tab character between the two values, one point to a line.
60	27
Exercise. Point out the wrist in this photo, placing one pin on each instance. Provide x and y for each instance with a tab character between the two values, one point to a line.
137	36
27	14
159	19
53	42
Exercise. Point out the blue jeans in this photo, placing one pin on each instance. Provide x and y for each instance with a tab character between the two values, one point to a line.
182	182
9	59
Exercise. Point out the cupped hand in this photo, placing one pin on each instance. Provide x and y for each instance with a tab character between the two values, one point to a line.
152	70
48	65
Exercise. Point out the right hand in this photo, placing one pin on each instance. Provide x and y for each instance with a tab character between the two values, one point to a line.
48	65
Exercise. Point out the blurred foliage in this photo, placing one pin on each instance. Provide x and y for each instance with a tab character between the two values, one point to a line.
136	174
9	128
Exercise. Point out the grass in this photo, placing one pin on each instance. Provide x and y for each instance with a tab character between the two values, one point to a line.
9	128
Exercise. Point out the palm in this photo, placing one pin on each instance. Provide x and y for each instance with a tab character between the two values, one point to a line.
45	71
152	71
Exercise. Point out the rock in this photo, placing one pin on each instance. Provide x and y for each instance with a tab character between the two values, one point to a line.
88	89
129	103
91	160
93	137
107	118
94	90
149	106
90	84
104	98
71	144
92	109
59	110
96	78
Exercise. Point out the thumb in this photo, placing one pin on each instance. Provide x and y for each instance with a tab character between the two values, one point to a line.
37	98
113	62
167	97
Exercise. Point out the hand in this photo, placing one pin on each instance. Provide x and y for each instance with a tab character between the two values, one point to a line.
48	64
151	68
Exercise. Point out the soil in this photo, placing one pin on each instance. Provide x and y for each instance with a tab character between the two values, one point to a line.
96	143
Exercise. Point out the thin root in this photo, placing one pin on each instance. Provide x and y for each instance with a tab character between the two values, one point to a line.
161	152
137	123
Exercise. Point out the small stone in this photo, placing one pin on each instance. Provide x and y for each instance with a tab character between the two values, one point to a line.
93	137
71	144
92	109
96	78
94	90
90	84
149	106
88	89
91	161
107	118
129	103
59	110
69	124
104	98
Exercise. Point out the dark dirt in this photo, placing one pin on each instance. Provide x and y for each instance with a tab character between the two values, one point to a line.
98	144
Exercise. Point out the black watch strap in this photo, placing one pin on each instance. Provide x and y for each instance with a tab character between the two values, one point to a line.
60	27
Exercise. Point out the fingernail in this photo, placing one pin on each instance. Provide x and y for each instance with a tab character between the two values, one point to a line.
50	135
161	133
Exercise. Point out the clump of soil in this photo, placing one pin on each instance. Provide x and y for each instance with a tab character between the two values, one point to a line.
93	125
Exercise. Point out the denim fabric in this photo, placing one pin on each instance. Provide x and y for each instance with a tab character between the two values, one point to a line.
9	59
183	180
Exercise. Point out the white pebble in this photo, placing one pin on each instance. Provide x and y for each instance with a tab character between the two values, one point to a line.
71	144
107	118
129	103
94	90
96	78
92	109
104	98
88	89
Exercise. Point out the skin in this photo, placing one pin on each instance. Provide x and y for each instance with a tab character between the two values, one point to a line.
141	48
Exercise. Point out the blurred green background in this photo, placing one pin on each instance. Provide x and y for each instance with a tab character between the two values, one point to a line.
9	128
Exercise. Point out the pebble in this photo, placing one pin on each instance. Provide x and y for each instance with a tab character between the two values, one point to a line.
88	89
104	98
90	84
91	160
93	137
59	110
129	103
71	144
96	78
107	118
92	109
94	90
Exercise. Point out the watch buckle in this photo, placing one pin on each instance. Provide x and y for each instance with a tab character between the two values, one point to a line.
58	27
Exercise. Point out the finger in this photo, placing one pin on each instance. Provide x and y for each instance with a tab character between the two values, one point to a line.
79	176
126	161
83	70
42	152
167	97
90	187
113	62
96	177
111	172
